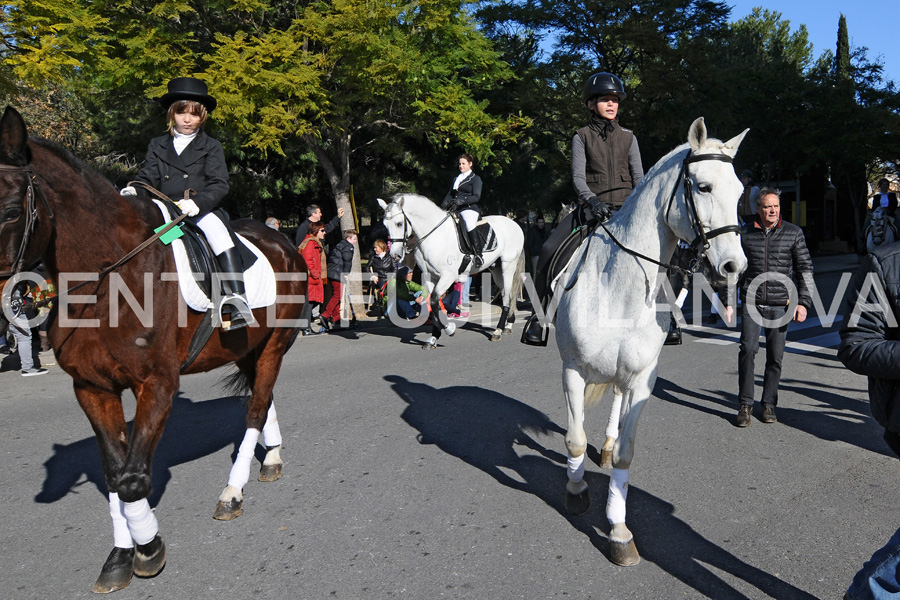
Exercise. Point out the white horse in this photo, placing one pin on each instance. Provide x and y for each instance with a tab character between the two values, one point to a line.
437	253
608	328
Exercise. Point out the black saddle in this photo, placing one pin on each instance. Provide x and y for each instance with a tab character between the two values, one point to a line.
484	232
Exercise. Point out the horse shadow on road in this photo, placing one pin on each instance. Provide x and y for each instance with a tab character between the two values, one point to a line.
488	430
193	430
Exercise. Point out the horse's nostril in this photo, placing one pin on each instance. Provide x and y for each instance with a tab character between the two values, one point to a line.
730	267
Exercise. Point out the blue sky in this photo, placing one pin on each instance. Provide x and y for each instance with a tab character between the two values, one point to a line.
870	23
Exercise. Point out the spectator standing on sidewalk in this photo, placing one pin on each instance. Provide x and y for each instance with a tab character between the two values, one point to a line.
774	250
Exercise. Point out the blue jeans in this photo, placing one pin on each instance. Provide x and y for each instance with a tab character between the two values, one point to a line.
775	339
878	579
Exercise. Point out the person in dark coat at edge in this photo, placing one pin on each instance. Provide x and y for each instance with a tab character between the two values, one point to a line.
870	346
189	167
606	166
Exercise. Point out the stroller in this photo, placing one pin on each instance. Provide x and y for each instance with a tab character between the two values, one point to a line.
377	298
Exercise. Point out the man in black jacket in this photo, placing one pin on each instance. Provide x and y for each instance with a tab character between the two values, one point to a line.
870	345
774	251
314	215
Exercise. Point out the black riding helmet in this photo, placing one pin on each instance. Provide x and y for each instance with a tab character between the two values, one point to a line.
600	84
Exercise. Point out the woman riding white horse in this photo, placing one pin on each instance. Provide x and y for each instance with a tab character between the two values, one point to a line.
608	328
438	254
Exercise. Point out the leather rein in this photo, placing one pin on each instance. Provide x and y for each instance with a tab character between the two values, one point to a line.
700	244
31	220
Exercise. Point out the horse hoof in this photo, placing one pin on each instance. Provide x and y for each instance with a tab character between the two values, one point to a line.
495	337
226	511
116	572
507	330
605	459
578	504
270	473
431	343
150	559
624	554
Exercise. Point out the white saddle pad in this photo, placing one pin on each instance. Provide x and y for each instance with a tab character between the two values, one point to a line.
259	279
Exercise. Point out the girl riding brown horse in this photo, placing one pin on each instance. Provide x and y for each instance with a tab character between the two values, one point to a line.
56	210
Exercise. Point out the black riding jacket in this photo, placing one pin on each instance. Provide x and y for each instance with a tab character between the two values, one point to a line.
870	344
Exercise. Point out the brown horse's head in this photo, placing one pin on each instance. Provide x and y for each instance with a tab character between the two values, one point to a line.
18	210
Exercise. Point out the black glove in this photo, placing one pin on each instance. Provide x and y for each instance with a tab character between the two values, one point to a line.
452	204
599	208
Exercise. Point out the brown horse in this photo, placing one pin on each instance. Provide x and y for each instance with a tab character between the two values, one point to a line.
56	210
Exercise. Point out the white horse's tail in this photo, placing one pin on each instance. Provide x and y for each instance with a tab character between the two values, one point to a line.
593	392
517	283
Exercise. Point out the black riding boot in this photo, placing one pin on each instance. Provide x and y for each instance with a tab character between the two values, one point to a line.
475	248
535	334
673	338
235	301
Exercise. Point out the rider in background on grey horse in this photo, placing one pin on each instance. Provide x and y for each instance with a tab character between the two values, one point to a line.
463	196
606	166
189	167
884	198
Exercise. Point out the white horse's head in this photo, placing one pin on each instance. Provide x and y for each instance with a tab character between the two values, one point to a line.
715	190
397	225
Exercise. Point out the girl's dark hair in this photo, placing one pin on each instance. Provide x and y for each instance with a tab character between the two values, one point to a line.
466	156
315	227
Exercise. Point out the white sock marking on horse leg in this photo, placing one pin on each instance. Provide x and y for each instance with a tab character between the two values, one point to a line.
240	471
141	521
575	468
121	535
618	493
682	295
271	432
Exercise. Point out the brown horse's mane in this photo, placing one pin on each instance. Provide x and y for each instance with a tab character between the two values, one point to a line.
87	172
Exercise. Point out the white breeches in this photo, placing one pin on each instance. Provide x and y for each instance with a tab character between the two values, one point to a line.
470	217
216	233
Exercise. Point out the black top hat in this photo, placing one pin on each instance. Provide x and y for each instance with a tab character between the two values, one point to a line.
188	88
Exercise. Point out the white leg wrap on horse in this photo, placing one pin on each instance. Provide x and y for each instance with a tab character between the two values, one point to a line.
615	411
576	468
682	295
618	493
271	432
121	535
141	521
240	471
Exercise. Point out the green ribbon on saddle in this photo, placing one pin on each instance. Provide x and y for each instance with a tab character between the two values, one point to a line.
171	235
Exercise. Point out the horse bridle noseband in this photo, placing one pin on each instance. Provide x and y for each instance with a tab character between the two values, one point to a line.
700	244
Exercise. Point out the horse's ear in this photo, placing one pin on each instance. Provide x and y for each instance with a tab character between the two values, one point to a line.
731	146
13	138
398	200
382	204
697	134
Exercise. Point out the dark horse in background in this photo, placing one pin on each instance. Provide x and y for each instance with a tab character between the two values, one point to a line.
55	210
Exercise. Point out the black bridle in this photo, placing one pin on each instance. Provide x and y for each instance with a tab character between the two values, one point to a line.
700	244
30	205
407	227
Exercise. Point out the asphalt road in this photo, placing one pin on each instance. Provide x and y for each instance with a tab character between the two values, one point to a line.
440	474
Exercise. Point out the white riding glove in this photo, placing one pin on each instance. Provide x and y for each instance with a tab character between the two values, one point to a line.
128	191
188	207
